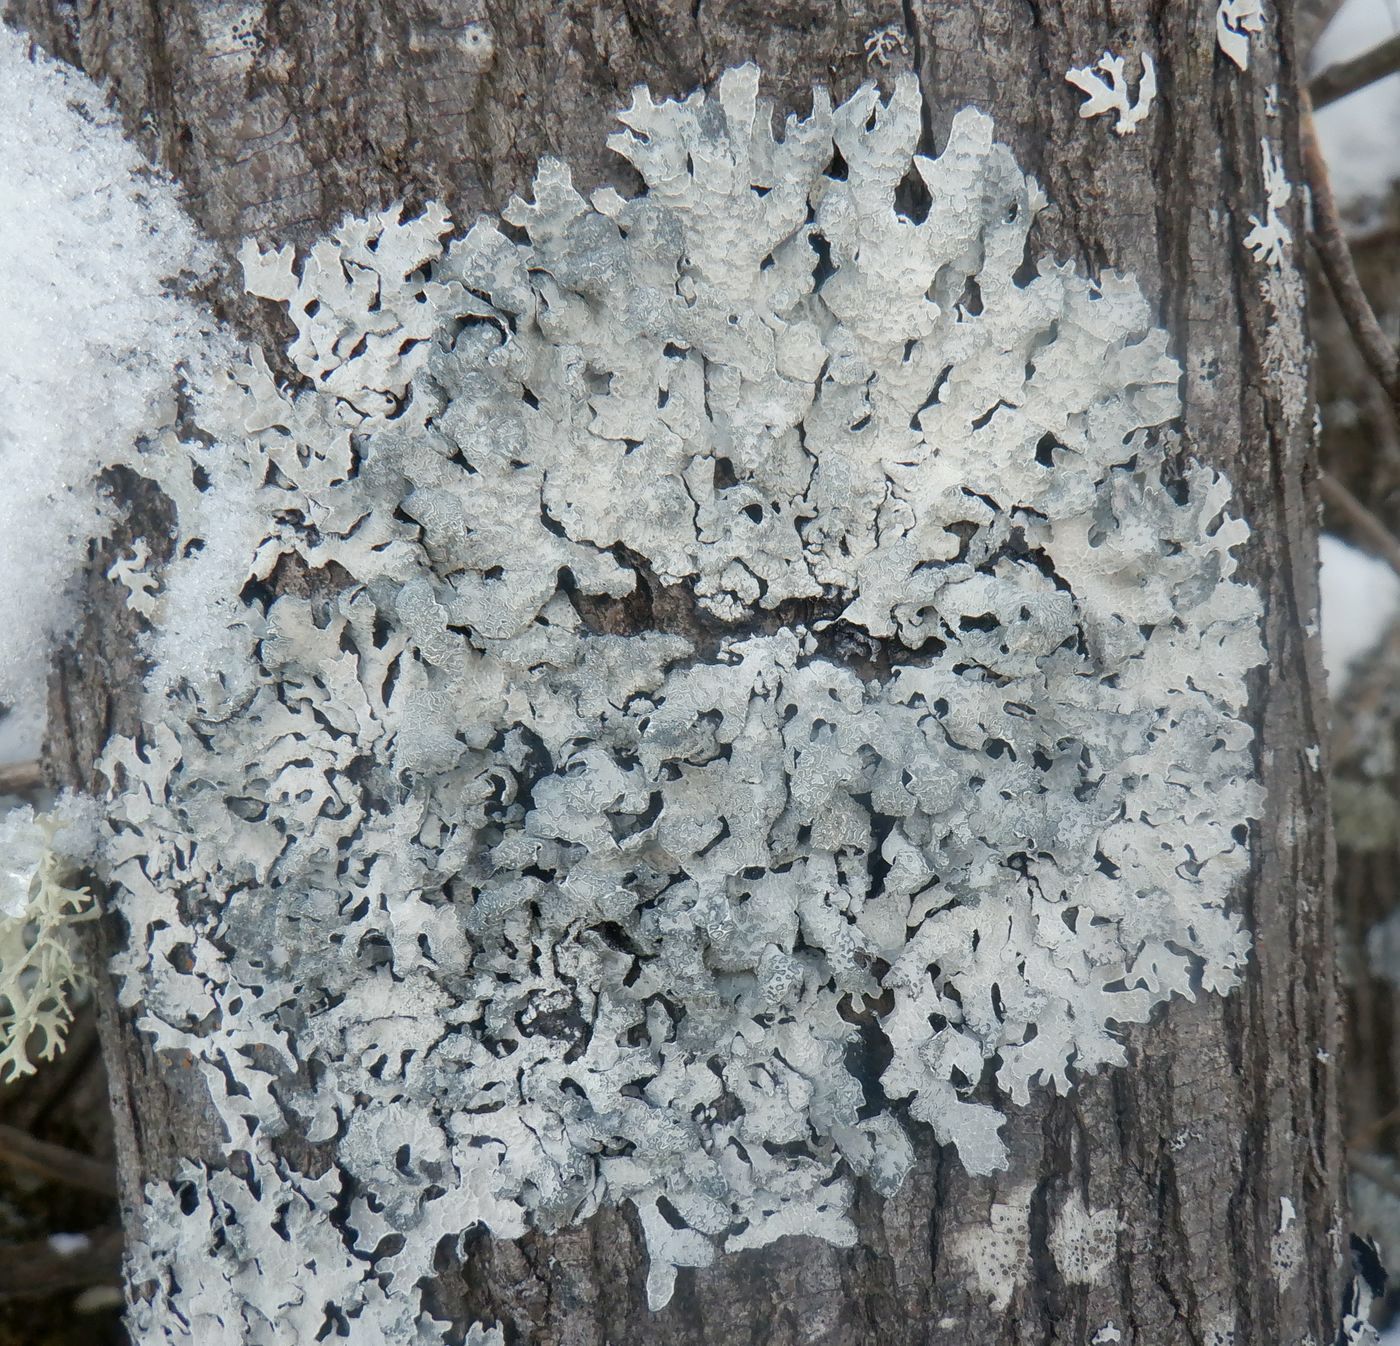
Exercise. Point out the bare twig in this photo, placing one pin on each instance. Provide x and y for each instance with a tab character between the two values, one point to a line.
1367	524
34	1097
1378	415
1366	1136
56	1163
1382	236
1346	77
20	778
1334	254
47	1266
1310	17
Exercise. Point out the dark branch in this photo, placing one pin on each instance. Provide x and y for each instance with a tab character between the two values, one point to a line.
32	1270
20	778
1334	254
1348	76
1377	535
19	1149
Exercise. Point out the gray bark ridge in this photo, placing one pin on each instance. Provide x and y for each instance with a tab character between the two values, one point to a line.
1188	1162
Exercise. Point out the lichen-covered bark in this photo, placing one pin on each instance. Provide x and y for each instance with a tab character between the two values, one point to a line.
1152	1198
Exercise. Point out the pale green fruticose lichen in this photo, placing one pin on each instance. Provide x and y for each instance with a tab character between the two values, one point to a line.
443	864
40	963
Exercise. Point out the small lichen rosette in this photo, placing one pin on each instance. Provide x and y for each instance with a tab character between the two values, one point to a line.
735	635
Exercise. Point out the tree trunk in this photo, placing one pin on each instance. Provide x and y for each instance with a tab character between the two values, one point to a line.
1215	1153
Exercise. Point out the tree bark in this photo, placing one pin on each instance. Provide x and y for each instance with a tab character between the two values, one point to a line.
1226	1118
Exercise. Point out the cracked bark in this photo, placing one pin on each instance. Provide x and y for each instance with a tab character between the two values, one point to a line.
1229	1106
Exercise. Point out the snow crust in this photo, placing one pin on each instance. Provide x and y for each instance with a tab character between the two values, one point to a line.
90	335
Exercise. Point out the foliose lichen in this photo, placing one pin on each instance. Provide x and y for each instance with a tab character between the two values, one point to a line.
1236	21
1113	94
537	841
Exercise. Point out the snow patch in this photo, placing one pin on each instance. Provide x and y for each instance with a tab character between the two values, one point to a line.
1360	600
91	241
1360	134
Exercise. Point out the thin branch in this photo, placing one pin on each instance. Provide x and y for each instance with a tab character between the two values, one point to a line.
1378	415
38	1094
20	778
48	1266
1310	18
1367	524
1382	236
1346	77
1334	254
56	1163
1362	1139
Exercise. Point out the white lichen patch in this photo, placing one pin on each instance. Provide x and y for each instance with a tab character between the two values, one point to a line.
1270	243
884	44
232	32
1083	1242
1235	22
132	572
1114	94
1286	1245
1271	239
997	1251
744	631
477	44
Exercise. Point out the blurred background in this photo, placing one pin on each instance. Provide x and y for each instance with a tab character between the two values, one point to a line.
1359	136
59	1236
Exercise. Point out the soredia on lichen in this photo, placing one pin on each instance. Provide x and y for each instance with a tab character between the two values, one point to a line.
732	625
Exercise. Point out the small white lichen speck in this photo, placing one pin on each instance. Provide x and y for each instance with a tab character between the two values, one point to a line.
131	572
528	899
1113	95
884	44
1271	238
1286	1245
